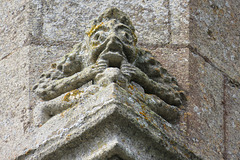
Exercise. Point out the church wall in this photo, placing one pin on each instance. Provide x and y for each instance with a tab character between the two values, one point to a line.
14	73
214	36
196	41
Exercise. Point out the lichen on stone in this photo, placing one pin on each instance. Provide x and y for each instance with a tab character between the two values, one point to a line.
109	54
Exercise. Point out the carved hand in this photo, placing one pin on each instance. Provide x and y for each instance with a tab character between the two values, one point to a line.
150	86
98	67
128	70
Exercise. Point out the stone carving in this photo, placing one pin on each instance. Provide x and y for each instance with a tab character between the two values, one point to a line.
109	54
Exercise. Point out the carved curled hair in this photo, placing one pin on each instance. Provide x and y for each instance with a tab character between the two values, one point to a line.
114	13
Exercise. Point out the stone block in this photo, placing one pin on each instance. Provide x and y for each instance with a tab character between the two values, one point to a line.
176	61
117	124
232	115
14	75
14	100
214	32
203	120
58	22
13	27
179	13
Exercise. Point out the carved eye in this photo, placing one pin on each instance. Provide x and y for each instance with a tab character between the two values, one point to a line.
96	36
99	36
127	37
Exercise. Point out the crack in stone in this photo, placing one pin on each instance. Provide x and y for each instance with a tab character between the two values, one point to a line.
225	115
207	60
4	57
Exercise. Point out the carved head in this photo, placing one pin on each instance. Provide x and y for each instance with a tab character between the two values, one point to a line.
112	38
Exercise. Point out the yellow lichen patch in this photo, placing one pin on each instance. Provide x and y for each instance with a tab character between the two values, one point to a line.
131	86
89	33
130	92
62	115
95	44
68	136
165	127
54	65
76	92
94	27
144	115
157	69
72	94
141	95
66	97
27	152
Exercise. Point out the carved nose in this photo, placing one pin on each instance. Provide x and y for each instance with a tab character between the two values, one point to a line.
114	44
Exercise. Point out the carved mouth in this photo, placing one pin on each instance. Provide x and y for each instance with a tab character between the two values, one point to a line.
114	58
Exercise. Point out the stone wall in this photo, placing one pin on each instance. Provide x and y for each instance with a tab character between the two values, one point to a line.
14	73
215	76
197	41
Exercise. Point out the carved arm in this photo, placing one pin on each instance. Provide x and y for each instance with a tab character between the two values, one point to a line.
163	91
50	89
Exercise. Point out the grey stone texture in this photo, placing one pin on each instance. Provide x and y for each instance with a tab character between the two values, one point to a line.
36	33
99	127
107	55
14	73
205	99
99	99
214	27
214	36
232	120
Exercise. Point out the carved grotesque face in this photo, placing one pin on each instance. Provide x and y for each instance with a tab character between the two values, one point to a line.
112	41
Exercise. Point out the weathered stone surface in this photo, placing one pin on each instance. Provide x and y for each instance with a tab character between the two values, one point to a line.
40	58
98	127
204	116
110	42
57	21
177	63
14	119
214	32
179	14
14	74
107	78
13	27
214	35
232	118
